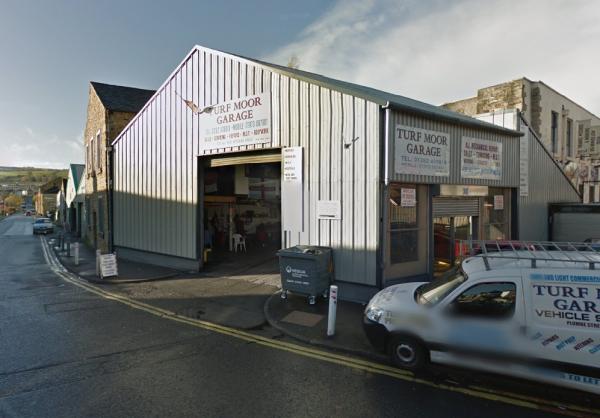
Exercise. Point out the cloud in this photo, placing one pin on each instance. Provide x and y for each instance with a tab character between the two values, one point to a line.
439	51
28	148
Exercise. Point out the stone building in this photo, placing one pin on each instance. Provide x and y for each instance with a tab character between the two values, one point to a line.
45	198
110	108
570	132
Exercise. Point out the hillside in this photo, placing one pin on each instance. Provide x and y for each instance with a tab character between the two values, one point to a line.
29	175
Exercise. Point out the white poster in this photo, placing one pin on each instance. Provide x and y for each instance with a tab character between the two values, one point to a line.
243	121
329	209
408	198
292	201
108	265
524	162
292	164
421	152
498	202
481	159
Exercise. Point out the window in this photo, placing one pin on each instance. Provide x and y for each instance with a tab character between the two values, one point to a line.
496	207
98	153
554	132
580	138
87	213
404	231
87	159
101	217
569	137
91	156
486	300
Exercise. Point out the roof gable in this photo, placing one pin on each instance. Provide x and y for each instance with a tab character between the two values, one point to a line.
76	171
121	98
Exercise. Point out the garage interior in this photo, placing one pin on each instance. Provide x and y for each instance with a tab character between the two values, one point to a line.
242	212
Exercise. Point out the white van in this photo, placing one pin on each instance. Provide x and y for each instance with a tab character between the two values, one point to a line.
530	310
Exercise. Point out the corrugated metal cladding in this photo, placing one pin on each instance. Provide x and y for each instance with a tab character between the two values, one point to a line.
445	206
156	164
547	184
510	152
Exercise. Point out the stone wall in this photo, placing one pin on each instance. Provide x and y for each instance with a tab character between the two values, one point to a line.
507	95
95	176
109	124
466	106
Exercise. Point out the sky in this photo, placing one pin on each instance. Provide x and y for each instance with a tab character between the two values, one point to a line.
431	50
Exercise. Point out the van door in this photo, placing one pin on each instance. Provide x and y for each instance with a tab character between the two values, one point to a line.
563	320
484	319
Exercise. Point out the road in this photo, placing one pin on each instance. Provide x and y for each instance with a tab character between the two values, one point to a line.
67	352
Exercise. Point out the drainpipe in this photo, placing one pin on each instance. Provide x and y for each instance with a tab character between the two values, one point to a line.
109	183
383	194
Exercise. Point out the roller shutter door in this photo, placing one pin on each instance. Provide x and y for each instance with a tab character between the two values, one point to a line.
575	227
443	206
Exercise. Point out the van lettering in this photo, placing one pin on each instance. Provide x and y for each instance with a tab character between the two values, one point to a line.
562	291
583	306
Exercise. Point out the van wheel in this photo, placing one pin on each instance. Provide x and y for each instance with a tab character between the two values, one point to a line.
407	352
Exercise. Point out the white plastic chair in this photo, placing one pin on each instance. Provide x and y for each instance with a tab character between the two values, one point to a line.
239	241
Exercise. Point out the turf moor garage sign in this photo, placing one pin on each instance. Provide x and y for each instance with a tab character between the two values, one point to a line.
238	122
422	152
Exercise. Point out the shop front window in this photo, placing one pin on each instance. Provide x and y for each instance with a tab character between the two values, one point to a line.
404	231
495	215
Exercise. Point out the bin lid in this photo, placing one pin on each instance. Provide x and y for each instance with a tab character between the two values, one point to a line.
304	249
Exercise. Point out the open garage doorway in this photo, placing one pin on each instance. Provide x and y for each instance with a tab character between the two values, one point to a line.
242	214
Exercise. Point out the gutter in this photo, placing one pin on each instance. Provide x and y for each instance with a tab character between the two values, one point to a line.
109	183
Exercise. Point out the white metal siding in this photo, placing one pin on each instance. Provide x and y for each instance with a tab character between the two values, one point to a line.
156	164
547	184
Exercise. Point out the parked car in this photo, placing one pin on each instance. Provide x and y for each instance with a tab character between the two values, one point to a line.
43	226
28	213
526	313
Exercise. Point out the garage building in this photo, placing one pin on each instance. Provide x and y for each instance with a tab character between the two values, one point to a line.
232	151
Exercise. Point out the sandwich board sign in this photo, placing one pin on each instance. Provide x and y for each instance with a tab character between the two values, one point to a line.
108	265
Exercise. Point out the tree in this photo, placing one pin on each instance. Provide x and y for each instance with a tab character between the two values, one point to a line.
13	201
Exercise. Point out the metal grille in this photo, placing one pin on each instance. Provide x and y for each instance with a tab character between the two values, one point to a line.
455	207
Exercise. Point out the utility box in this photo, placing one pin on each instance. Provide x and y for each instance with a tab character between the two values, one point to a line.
305	270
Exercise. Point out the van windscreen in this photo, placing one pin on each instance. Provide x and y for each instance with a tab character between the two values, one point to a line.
433	292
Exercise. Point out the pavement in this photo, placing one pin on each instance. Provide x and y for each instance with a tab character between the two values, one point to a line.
244	298
229	297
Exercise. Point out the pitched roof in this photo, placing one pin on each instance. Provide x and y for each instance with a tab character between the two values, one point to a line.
77	172
121	98
380	97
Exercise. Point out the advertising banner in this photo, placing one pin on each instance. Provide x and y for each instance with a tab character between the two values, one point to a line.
421	152
238	122
481	159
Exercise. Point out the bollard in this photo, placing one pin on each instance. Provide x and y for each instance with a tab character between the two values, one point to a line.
333	290
98	263
76	250
69	247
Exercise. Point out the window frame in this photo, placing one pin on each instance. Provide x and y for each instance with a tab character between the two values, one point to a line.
412	229
569	139
554	131
98	160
